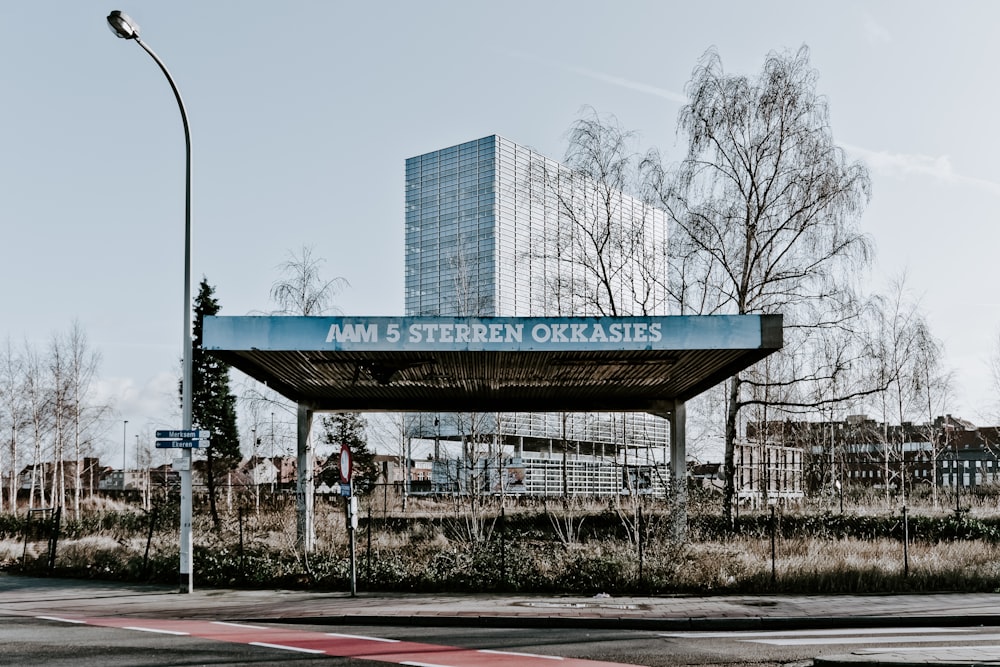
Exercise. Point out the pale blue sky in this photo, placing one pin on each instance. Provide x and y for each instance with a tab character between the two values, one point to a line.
303	113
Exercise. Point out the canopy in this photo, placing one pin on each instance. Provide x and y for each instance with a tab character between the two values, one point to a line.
506	364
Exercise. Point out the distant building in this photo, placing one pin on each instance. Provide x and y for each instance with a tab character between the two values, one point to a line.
859	451
67	474
124	480
261	470
392	471
142	480
550	474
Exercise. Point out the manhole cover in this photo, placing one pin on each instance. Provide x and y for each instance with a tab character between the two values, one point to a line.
580	605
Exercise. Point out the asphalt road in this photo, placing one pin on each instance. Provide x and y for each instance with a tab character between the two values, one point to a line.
49	621
33	641
49	641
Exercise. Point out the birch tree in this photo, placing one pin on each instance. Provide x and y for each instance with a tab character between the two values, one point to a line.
607	254
56	366
764	206
37	400
907	358
301	288
84	418
12	417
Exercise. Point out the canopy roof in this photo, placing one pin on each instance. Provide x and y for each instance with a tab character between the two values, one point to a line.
492	364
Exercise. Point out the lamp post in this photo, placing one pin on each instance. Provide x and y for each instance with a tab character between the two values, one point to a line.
124	430
126	28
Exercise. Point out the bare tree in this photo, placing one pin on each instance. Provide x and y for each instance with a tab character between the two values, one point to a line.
12	415
57	388
907	360
764	206
995	373
934	385
85	418
917	383
607	253
37	399
301	289
44	401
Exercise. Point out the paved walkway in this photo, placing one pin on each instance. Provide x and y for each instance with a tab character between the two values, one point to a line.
40	596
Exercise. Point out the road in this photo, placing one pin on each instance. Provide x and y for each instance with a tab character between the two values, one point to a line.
54	640
51	621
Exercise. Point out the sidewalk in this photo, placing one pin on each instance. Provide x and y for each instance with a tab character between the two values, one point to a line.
42	596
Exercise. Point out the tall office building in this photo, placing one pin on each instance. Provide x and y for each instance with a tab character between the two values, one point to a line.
496	229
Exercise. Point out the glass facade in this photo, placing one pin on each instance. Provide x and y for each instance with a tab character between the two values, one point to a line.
496	229
451	235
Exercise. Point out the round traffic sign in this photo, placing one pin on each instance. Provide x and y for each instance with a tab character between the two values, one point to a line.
345	464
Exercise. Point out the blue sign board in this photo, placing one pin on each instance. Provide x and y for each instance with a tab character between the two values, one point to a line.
508	334
182	444
190	434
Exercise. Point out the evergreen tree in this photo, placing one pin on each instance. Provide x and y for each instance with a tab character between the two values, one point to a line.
349	428
212	401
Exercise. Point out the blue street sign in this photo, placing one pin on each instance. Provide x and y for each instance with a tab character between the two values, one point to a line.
190	434
182	444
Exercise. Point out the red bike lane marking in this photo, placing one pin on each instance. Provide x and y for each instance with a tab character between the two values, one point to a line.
413	654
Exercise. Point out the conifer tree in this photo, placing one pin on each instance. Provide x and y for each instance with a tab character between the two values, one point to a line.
349	428
213	404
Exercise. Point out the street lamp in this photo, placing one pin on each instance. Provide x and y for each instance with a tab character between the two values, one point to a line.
124	430
126	28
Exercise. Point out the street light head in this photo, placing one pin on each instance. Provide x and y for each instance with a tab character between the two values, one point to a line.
122	25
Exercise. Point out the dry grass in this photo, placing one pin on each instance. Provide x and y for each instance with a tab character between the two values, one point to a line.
12	550
428	554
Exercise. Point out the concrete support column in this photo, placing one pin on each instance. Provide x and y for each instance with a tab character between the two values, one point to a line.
678	469
304	496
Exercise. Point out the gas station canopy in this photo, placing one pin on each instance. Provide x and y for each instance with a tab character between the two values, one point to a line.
492	364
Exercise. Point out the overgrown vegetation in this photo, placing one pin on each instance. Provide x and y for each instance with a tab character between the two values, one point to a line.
425	549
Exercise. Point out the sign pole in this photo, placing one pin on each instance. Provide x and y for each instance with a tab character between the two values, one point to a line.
184	439
350	510
352	525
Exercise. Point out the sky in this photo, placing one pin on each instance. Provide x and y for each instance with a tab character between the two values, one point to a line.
303	113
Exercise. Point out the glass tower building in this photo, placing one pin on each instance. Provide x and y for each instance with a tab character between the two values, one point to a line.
496	229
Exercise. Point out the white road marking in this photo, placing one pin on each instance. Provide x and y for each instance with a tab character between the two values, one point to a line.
370	639
287	648
164	632
61	620
817	633
522	655
423	664
240	625
899	639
